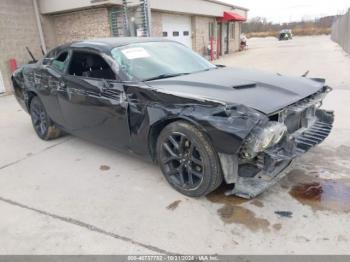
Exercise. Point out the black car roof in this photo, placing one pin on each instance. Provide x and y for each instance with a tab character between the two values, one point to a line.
106	44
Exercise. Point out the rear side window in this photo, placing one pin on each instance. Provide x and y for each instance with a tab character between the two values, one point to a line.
91	65
60	62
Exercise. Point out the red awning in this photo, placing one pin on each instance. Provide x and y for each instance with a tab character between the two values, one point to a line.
231	16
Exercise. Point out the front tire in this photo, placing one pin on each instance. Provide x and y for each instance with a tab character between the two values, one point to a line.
188	160
42	124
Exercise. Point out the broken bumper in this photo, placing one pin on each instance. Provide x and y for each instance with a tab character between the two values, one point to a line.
275	163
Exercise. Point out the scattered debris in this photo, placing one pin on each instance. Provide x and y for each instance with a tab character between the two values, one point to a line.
306	73
174	205
257	203
342	238
104	168
277	227
302	238
287	214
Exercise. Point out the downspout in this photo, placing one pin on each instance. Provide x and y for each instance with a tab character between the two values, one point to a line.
149	12
38	23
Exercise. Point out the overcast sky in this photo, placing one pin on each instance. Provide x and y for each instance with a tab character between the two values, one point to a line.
292	10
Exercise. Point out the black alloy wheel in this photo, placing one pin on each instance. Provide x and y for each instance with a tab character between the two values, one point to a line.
182	161
187	159
39	119
42	124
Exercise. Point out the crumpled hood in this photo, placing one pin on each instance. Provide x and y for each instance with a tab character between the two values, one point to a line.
264	92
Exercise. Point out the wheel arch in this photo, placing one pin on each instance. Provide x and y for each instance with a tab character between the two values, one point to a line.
158	126
29	98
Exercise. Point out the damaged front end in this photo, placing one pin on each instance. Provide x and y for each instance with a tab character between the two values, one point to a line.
268	152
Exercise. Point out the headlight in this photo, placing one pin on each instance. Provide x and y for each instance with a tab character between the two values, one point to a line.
263	137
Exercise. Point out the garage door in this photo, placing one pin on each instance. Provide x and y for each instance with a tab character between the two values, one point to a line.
177	28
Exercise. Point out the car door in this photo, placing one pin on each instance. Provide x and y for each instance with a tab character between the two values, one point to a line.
52	71
93	102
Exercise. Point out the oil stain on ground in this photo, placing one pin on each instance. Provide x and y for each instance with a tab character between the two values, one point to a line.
174	205
319	194
277	227
233	212
218	196
240	215
257	203
104	168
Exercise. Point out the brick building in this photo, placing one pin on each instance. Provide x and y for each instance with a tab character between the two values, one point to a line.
18	29
48	23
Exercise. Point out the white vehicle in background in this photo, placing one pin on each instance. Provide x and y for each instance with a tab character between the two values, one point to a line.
285	34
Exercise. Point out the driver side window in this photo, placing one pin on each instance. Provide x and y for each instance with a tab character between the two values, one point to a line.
91	65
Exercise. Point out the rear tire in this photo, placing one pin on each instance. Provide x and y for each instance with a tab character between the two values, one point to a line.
42	124
188	160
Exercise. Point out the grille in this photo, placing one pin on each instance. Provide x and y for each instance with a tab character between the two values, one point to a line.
293	121
301	114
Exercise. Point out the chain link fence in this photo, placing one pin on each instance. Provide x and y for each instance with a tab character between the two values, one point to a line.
341	31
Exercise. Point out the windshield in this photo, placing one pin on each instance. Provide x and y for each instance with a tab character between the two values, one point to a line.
153	60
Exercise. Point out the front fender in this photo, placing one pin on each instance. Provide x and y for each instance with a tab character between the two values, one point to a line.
149	111
225	127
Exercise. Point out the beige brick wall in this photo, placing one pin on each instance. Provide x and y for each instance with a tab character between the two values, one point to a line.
200	34
86	24
18	29
235	41
156	27
47	23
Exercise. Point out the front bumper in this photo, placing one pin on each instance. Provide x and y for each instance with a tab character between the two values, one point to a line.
275	163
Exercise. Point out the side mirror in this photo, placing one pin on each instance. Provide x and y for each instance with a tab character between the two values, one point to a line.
47	61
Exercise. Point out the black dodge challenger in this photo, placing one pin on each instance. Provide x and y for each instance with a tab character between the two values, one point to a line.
203	124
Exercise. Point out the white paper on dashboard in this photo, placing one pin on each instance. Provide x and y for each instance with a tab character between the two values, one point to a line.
136	52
